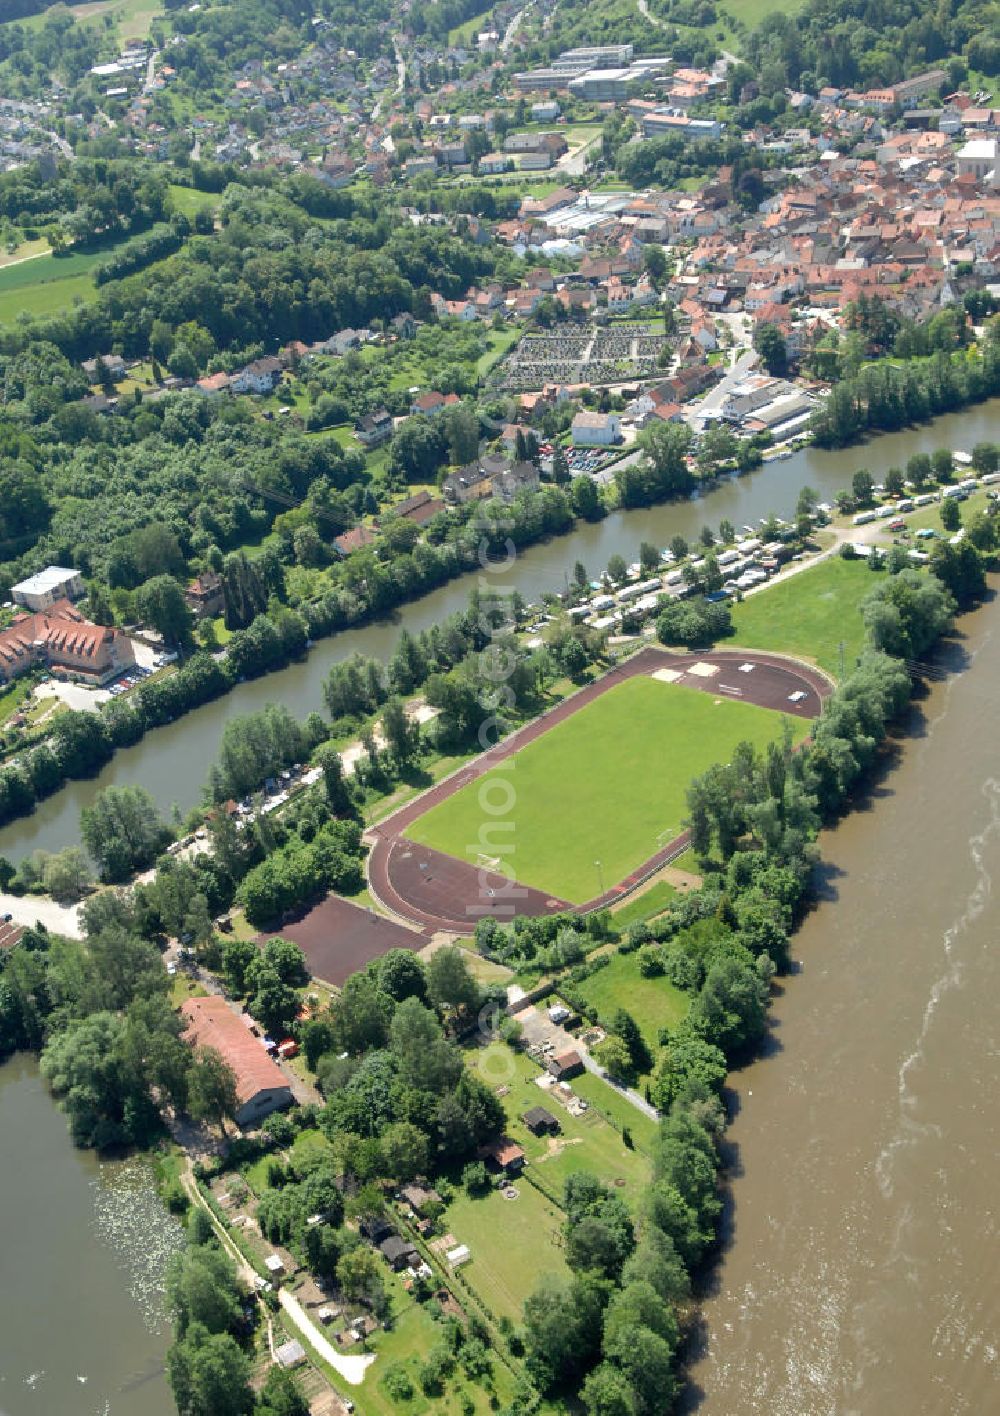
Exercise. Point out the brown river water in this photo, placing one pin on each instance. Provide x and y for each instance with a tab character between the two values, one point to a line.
860	1277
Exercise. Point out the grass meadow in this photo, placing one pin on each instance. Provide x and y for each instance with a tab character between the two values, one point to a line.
809	615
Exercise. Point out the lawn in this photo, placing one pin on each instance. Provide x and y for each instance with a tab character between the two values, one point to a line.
601	792
653	1002
513	1242
411	1335
587	1142
465	33
644	905
810	614
134	17
606	1099
751	12
188	201
12	698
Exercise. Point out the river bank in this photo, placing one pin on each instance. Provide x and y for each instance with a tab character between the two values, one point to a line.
857	1273
172	762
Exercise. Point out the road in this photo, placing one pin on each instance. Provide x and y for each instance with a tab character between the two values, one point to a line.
513	27
28	910
711	404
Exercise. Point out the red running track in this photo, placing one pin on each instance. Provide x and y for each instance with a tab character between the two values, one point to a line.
436	891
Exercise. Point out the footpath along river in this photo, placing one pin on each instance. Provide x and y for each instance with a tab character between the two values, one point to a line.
173	762
861	1275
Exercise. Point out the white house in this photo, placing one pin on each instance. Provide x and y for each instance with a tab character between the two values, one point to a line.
596	429
40	592
978	158
259	377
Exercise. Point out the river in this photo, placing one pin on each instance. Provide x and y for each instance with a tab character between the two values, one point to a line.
860	1277
84	1244
173	762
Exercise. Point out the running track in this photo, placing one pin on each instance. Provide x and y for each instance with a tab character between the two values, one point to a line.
436	891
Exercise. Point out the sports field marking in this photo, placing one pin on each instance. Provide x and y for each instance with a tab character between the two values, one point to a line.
703	670
667	675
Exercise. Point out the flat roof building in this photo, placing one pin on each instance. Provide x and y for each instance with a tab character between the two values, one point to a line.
41	591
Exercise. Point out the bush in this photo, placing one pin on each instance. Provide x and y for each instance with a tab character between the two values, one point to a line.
475	1178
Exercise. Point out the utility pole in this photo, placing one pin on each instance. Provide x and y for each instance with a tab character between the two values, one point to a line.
841	647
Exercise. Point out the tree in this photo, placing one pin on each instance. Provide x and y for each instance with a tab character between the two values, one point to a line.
202	1290
404	1151
335	784
280	1396
607	1392
160	603
769	343
951	516
562	1323
122	829
209	1375
961	571
66	874
401	975
649	558
617	569
625	1027
678	548
863	487
450	983
359	1273
212	1094
614	1056
275	1003
401	735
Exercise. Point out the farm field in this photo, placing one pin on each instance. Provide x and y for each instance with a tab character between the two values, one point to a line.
47	283
809	614
587	1142
577	832
512	1243
653	1002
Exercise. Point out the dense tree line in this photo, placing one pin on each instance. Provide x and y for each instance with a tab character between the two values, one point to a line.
883	396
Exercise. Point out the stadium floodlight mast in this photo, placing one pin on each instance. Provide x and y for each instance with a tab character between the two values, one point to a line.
600	875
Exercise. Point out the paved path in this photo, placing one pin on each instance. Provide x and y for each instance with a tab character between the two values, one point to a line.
352	1369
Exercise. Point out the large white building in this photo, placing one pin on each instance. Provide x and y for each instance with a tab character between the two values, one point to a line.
596	429
40	592
978	158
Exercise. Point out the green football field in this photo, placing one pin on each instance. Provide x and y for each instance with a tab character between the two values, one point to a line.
604	790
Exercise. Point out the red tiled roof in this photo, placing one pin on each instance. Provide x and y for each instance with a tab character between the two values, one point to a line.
212	1023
